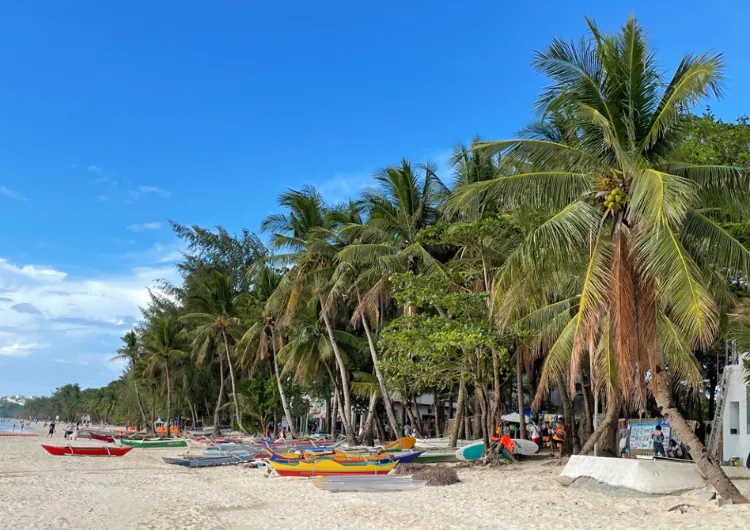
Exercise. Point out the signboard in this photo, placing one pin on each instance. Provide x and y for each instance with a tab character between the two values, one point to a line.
640	434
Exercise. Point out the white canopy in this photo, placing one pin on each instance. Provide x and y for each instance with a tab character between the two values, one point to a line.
514	418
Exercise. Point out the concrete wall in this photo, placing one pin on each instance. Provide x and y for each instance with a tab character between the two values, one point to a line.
734	416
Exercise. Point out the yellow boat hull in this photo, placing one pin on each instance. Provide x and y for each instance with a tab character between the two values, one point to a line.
327	466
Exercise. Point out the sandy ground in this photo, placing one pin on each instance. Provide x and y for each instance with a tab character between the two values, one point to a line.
41	491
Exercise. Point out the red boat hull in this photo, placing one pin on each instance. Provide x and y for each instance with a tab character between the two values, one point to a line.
287	473
102	437
86	451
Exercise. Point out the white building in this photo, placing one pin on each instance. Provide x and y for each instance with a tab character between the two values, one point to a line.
736	416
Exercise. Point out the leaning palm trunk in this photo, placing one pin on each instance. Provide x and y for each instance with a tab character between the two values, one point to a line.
282	394
347	404
169	398
710	469
144	418
234	390
459	414
393	424
366	436
603	427
217	409
519	383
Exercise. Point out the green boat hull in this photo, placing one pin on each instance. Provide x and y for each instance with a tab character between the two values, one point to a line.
433	457
148	444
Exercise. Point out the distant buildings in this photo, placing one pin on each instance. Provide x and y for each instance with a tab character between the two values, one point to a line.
18	399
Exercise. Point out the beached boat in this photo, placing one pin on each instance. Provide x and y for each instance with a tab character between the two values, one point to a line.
440	443
209	461
328	466
70	450
101	437
433	456
345	456
367	483
154	443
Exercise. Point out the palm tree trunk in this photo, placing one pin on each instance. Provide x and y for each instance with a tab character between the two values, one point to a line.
231	379
144	418
387	403
459	414
282	394
519	392
571	438
497	390
603	427
221	393
347	419
334	412
710	469
169	397
438	412
587	416
367	428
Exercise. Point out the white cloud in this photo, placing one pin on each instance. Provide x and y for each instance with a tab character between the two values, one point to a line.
76	362
19	349
94	169
12	194
101	198
35	272
142	227
143	190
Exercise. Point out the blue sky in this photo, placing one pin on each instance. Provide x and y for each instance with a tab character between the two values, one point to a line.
116	119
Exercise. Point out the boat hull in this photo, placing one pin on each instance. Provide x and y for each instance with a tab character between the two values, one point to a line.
154	444
86	451
434	457
327	466
102	437
367	483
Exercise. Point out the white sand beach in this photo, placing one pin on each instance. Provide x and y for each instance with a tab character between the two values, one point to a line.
40	491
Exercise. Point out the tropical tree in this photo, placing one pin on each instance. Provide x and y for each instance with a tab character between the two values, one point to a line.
130	352
164	341
214	311
617	199
263	338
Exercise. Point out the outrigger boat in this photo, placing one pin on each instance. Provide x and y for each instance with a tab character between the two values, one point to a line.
328	466
154	443
102	437
209	461
70	450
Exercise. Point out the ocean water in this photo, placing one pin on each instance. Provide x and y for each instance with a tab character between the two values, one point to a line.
7	426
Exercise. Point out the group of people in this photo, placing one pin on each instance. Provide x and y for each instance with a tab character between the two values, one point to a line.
673	449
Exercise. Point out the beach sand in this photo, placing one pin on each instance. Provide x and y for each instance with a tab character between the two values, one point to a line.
40	491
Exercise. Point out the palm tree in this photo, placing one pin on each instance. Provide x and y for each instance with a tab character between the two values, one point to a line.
404	203
214	311
624	219
263	338
307	231
131	352
165	340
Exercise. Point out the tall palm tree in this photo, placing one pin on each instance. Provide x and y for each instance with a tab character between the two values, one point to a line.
214	310
405	202
624	219
263	338
130	352
307	230
164	341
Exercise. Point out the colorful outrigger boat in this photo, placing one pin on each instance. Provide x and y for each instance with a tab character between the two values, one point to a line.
209	461
328	466
154	443
70	450
102	437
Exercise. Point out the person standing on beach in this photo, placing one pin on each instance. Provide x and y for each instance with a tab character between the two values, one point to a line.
407	429
51	429
558	436
624	435
536	433
658	437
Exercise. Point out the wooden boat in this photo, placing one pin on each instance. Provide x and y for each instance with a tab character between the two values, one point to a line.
154	443
345	456
70	450
367	483
437	455
102	437
209	461
407	442
328	466
440	443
